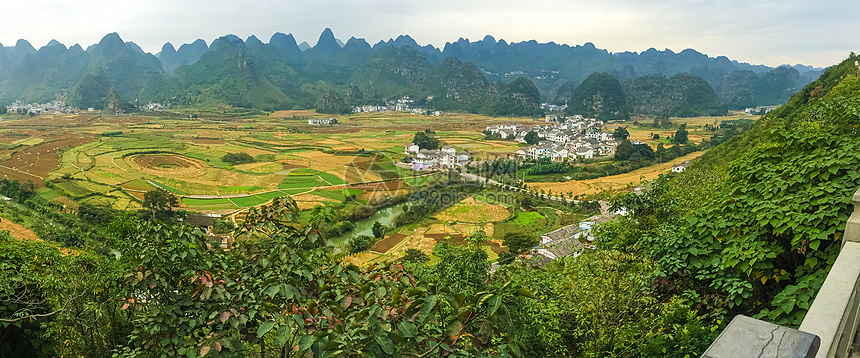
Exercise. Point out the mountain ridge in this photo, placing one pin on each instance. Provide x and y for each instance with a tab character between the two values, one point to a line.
308	72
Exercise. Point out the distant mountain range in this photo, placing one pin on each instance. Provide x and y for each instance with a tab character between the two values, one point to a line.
486	76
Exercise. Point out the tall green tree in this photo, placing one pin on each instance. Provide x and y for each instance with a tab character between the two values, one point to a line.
532	138
681	134
425	141
159	202
621	133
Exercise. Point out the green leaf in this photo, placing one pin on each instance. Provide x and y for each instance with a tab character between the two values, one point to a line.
788	306
265	328
515	349
429	303
494	303
282	336
522	291
814	244
386	344
408	329
305	342
272	290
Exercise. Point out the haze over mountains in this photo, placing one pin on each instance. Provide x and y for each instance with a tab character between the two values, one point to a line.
479	76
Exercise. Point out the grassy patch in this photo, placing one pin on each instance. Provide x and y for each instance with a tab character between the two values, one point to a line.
247	201
529	218
72	189
168	188
49	193
331	194
272	194
300	181
231	189
208	204
138	184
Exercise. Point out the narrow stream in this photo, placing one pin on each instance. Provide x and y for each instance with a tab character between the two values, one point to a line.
365	226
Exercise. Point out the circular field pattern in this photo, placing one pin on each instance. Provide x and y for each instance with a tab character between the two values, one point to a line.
165	162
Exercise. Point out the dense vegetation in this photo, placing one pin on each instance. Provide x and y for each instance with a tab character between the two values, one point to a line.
682	95
600	96
754	226
237	158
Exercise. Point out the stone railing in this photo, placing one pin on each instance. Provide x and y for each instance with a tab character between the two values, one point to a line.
830	326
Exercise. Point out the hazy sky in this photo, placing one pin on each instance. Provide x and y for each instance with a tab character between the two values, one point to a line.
819	33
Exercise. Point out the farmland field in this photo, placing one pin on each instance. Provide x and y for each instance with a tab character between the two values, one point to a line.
614	183
319	165
473	211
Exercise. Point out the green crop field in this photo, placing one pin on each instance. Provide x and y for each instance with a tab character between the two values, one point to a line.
247	201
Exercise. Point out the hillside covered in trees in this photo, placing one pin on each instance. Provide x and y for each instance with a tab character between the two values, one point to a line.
280	75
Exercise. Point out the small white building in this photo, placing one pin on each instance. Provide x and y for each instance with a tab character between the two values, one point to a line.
584	152
677	168
411	148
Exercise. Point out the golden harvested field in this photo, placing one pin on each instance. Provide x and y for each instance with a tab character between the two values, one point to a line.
472	211
613	183
695	127
296	113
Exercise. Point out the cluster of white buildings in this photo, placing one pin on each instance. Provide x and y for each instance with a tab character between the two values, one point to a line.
151	106
402	104
322	121
39	108
760	110
553	107
448	157
576	138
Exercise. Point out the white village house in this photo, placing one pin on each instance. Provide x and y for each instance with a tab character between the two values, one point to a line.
447	157
677	168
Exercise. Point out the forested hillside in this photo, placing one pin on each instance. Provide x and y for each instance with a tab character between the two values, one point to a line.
682	95
755	224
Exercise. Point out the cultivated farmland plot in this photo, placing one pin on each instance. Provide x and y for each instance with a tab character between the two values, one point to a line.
116	159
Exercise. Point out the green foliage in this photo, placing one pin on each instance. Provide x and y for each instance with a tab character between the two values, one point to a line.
415	255
111	133
223	226
634	152
332	103
602	304
425	141
237	158
764	214
545	166
599	96
464	268
268	291
682	95
378	230
360	243
519	242
159	202
680	135
461	86
531	138
518	98
621	133
489	135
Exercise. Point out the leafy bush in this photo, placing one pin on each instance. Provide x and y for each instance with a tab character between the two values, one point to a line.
237	158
